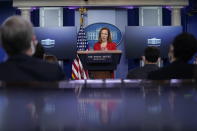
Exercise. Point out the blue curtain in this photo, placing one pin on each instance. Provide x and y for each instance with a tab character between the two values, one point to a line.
68	17
18	12
166	17
133	17
35	17
6	10
191	17
68	20
133	20
184	18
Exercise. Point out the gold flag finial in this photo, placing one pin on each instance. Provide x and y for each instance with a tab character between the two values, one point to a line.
82	12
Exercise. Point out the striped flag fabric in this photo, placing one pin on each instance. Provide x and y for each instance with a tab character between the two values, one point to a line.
78	71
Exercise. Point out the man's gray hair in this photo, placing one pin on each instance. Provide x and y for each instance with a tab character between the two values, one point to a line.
16	35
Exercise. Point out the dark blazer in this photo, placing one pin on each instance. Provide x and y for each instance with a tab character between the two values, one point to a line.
176	70
142	72
26	68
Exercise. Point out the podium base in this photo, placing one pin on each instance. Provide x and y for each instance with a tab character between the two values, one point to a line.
101	74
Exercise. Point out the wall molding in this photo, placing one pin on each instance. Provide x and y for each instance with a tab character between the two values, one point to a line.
42	3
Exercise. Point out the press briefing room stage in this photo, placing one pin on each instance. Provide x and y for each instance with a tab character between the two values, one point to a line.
96	46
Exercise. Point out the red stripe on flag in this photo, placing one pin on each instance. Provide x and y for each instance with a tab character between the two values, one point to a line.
77	70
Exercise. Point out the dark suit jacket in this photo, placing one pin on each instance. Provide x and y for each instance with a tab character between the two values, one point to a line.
26	68
176	70
142	72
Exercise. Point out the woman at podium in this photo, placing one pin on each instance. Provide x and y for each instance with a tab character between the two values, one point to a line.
104	43
104	40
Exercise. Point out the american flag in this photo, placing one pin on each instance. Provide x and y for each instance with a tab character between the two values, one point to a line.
78	71
82	43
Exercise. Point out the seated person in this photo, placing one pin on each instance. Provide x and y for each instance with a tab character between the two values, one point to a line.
50	58
150	58
104	40
19	42
39	53
181	51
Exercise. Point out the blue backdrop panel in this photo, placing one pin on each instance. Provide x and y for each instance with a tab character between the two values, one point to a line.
59	41
137	38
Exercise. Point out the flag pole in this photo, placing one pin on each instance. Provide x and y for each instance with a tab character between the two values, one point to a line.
82	12
78	71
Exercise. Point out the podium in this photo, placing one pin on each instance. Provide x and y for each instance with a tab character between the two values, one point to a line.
100	64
